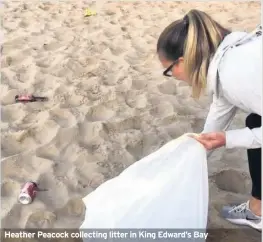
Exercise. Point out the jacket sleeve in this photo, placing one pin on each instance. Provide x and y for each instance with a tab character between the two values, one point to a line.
246	138
220	115
219	118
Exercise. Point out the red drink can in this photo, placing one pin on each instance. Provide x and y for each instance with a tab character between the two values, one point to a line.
28	192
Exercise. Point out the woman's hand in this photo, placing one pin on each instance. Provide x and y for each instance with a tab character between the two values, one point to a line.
211	140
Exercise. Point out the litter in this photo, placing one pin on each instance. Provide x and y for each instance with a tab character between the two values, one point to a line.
89	12
28	192
29	98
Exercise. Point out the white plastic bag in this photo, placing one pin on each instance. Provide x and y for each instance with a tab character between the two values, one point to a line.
166	189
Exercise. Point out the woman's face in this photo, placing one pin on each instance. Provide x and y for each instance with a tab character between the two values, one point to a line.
176	69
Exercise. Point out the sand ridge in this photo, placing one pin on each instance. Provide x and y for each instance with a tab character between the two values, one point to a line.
109	103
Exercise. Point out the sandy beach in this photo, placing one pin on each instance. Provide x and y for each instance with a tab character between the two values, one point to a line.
109	105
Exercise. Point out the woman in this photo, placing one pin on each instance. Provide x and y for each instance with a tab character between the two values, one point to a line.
228	65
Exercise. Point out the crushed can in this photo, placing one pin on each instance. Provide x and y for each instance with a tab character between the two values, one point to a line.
28	192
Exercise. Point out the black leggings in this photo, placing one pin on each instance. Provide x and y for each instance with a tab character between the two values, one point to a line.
254	158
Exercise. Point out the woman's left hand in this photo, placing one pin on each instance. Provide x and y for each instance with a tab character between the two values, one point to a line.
211	140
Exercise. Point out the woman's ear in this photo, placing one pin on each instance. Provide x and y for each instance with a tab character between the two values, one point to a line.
181	60
179	70
180	63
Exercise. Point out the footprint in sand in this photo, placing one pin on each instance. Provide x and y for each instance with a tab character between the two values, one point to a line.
57	190
135	99
11	114
162	110
134	141
41	219
112	31
138	83
11	218
89	175
129	123
23	24
136	150
99	113
9	189
74	207
168	87
71	215
52	46
233	181
63	117
89	131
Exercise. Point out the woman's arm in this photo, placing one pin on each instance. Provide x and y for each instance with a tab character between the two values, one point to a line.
220	115
219	119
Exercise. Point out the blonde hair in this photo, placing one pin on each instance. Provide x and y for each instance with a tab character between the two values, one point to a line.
195	38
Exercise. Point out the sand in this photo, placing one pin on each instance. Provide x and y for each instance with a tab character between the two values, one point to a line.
109	105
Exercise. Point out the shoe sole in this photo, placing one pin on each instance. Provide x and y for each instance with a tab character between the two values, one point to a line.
246	222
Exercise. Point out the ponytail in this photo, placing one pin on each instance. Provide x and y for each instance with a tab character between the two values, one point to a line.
195	38
203	37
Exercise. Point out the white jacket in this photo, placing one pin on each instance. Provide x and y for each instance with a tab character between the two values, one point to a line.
235	81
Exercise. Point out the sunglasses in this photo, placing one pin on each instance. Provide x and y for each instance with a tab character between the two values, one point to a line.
169	69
